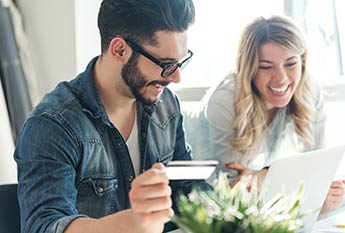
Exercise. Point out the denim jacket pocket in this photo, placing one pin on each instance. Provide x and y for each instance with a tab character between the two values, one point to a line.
100	186
97	195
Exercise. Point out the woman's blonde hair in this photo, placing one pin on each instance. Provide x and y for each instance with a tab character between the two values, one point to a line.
251	119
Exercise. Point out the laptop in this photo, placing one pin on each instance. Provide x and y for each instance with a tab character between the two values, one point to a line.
316	169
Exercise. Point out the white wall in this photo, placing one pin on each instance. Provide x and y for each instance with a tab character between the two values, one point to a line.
87	39
63	35
51	33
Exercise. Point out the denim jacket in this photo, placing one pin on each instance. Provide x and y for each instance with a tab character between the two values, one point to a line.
73	162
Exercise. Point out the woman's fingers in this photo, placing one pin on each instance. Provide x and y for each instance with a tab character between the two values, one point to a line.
235	166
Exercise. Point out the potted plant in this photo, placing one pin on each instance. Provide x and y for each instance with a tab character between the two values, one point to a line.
239	210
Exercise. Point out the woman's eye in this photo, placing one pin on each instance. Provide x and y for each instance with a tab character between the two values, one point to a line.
265	67
291	64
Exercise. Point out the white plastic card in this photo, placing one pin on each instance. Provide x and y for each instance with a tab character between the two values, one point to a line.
190	170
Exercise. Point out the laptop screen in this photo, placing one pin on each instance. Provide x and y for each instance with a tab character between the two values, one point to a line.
316	169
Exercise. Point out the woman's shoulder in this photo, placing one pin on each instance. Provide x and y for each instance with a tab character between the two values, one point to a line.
218	102
316	94
228	83
224	91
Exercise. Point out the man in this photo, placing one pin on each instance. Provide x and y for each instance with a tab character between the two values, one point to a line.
87	140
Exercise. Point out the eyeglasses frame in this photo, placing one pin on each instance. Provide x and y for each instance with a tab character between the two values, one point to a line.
164	65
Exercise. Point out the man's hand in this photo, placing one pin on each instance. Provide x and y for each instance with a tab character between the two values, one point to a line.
150	200
335	197
244	171
151	208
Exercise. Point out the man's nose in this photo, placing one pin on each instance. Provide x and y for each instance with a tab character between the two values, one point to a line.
174	77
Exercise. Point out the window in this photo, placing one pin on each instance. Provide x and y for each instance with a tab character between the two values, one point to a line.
340	17
325	35
215	34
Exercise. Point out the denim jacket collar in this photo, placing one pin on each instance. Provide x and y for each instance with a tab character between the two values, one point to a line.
89	94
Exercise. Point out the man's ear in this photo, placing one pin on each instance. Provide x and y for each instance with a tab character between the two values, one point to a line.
117	49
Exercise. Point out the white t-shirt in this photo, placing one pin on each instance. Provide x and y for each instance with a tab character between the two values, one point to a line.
133	147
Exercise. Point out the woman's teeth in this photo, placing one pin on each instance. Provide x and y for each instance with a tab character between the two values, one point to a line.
280	90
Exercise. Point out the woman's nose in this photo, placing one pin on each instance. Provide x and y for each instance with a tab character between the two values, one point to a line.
280	74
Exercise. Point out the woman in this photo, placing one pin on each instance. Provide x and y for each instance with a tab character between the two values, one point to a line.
267	109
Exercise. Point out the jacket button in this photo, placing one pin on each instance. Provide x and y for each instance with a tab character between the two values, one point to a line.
130	178
100	189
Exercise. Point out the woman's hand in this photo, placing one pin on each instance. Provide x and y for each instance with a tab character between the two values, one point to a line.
244	171
335	197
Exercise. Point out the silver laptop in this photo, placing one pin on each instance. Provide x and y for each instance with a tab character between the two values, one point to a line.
316	169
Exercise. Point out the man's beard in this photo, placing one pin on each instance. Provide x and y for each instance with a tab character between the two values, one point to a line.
136	81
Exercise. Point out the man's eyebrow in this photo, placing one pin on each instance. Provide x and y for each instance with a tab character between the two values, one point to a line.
167	59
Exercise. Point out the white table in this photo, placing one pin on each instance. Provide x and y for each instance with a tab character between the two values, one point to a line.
328	224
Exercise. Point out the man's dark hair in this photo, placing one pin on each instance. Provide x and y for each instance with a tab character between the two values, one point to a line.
138	20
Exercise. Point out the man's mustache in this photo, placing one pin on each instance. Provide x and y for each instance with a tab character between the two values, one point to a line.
155	82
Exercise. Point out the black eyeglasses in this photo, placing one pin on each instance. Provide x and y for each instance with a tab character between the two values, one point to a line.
168	67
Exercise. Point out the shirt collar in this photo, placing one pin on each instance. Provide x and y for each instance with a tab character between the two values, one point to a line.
89	94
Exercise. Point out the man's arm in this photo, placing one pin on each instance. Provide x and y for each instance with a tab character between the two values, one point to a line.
47	159
111	223
151	208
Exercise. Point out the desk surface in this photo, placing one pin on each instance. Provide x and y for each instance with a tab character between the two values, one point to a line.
329	224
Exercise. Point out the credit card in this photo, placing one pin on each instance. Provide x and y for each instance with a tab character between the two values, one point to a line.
190	169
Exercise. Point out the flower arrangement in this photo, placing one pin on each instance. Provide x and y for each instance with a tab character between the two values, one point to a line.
239	210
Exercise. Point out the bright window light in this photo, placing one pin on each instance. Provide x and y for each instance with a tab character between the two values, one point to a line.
214	37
